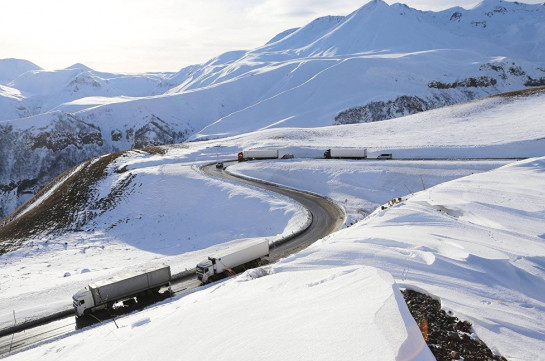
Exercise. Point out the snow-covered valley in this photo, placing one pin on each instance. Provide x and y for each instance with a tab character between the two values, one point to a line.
468	232
100	174
321	74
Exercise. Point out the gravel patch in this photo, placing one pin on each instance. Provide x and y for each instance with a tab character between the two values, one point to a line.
448	337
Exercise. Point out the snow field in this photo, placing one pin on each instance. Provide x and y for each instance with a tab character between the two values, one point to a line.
170	213
475	243
254	318
361	186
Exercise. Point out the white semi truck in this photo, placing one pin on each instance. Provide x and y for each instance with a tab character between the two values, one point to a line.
104	294
258	154
237	258
353	153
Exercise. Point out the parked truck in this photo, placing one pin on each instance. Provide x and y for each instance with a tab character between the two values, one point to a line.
232	260
257	154
353	153
104	294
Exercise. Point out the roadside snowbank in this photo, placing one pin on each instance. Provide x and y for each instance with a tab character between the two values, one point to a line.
361	186
327	314
476	243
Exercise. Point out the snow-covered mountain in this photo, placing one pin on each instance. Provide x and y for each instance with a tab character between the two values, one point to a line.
381	61
12	68
474	243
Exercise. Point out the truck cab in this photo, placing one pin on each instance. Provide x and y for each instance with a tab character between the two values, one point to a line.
82	300
205	270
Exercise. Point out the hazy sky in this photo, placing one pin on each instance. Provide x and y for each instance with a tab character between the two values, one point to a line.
158	35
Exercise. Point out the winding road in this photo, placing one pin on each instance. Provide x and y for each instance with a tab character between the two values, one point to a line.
327	217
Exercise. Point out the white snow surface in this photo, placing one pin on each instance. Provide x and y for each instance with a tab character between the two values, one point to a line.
305	77
252	318
379	62
476	243
360	187
172	214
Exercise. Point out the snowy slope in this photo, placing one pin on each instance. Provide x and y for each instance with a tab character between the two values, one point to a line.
10	69
250	315
147	209
380	62
499	127
475	243
50	89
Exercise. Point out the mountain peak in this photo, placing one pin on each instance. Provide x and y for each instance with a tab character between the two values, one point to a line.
490	4
79	66
374	4
12	68
371	7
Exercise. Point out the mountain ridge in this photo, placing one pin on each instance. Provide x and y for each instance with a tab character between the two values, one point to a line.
334	70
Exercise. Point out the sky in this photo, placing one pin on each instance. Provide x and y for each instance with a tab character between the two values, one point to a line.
135	36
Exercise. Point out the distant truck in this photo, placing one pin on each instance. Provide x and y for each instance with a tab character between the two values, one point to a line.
104	294
352	153
232	260
257	154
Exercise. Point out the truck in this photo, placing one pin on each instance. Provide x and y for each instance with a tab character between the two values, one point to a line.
234	259
352	153
257	154
385	156
104	294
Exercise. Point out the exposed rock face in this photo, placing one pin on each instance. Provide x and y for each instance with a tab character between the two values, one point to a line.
31	157
492	78
382	110
72	206
481	82
448	337
379	62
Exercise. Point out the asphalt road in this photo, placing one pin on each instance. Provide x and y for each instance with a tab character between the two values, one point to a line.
327	217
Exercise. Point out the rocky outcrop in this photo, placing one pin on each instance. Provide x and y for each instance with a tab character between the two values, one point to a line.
471	82
383	110
31	157
492	78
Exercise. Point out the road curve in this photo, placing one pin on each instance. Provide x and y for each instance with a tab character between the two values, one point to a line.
327	217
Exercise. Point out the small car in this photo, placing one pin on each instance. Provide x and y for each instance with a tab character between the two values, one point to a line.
385	156
219	165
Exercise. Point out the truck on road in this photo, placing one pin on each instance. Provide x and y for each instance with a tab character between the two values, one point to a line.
257	154
352	153
232	260
385	156
104	294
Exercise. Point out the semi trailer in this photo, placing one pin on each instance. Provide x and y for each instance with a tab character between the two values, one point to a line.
353	153
232	260
258	154
104	294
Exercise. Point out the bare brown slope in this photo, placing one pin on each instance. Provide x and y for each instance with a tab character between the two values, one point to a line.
60	210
